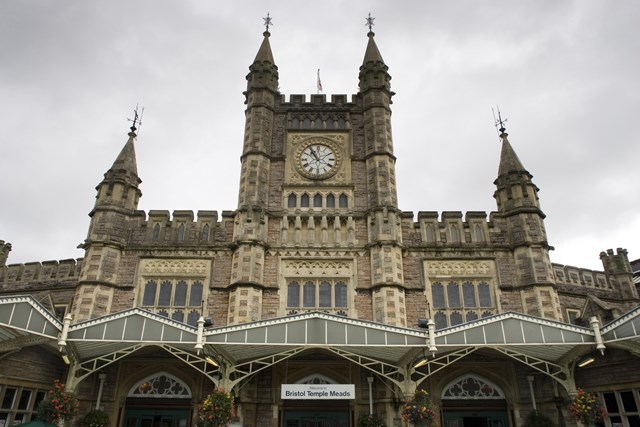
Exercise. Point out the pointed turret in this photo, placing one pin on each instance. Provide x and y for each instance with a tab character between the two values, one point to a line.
523	221
515	190
263	72
120	186
373	71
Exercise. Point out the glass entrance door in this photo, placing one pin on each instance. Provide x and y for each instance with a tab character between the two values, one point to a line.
316	418
475	419
157	418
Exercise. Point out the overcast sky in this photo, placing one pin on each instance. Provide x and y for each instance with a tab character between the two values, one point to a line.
566	74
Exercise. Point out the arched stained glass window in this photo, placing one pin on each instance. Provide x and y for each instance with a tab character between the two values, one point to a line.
293	294
343	201
324	294
469	294
164	299
331	201
341	294
437	295
484	295
453	295
292	200
149	297
309	295
180	295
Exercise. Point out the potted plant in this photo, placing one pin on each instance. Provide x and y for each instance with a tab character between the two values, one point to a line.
536	419
216	409
419	411
371	420
587	408
95	418
58	405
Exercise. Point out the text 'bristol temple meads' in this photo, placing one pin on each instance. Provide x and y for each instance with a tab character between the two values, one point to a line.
318	300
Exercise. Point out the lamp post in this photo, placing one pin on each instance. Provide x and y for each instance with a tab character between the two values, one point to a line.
370	381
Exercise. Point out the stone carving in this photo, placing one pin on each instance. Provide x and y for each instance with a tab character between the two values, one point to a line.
317	268
459	268
174	267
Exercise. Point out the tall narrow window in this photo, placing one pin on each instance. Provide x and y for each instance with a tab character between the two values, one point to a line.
331	201
317	201
292	200
304	200
484	294
453	294
195	297
164	299
180	296
205	233
469	294
293	294
149	297
324	294
181	232
455	234
479	233
156	232
431	236
344	202
309	294
437	294
341	294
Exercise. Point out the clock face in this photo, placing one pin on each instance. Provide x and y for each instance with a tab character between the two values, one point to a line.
318	160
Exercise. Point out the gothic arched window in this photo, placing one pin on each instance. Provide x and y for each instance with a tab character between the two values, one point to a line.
317	201
304	200
344	201
331	201
292	200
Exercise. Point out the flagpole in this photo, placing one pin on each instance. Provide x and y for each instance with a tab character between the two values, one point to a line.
319	84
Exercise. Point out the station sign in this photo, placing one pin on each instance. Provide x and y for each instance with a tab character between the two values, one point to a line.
318	391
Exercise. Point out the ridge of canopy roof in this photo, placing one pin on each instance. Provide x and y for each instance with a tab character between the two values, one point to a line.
624	327
24	313
315	315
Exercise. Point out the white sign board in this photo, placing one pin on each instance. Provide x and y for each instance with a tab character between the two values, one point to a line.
318	391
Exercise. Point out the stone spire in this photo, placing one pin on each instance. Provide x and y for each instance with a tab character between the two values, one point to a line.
515	189
120	186
263	73
373	71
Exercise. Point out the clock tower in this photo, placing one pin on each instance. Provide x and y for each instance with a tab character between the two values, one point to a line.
318	226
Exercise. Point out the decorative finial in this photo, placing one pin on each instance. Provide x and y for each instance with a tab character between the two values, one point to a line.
498	121
137	119
267	22
370	23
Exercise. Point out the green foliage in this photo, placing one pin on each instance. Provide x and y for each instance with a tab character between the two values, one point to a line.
419	411
95	418
373	420
216	409
536	419
58	404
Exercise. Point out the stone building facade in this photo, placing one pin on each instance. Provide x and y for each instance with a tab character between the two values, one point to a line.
319	280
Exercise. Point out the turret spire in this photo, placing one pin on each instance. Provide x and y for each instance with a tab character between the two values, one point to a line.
263	72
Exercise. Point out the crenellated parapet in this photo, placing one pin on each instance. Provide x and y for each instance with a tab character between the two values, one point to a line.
317	113
452	228
182	227
51	273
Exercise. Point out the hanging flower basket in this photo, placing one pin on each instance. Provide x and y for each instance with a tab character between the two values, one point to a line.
216	409
371	420
587	408
58	405
95	418
419	411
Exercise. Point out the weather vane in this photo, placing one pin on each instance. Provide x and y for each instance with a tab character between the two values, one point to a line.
498	121
267	22
137	119
370	23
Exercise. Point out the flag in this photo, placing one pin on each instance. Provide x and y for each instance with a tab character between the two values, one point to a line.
319	82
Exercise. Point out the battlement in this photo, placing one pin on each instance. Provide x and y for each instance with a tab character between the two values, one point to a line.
454	227
45	271
161	227
616	263
570	275
319	101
